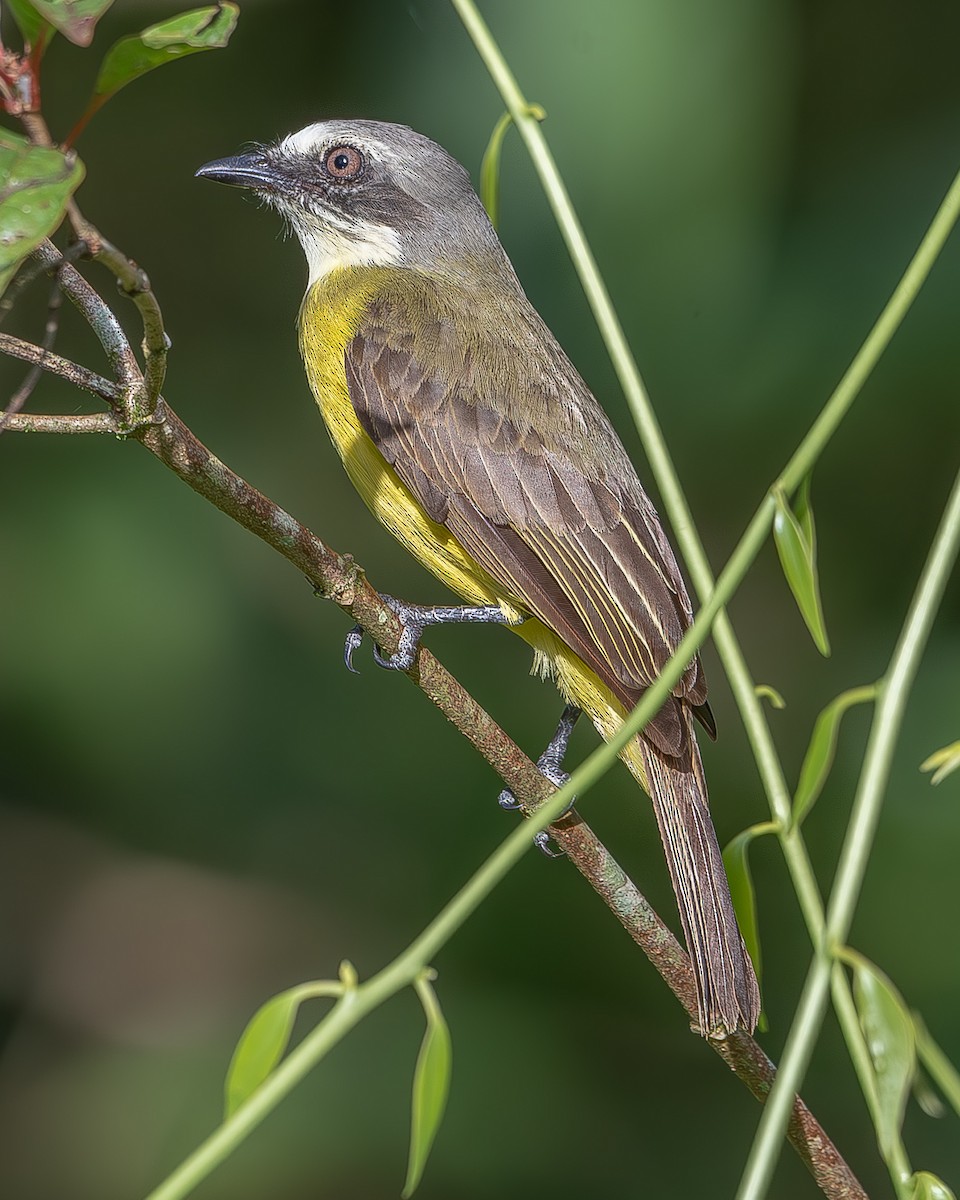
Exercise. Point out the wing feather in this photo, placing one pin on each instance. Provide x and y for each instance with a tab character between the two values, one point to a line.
551	509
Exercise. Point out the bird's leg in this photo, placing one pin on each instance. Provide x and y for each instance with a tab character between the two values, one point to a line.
550	764
414	618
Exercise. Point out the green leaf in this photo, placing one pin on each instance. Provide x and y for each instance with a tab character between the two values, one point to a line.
27	19
928	1100
76	19
888	1029
431	1084
490	169
189	33
823	746
736	862
35	184
798	559
261	1047
804	510
942	762
265	1038
942	1071
490	165
925	1186
766	692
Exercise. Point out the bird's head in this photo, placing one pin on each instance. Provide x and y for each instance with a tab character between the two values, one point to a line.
367	193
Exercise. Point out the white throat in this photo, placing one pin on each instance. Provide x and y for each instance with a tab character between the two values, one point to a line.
330	244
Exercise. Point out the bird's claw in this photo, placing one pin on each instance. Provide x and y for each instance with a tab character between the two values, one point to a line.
508	801
412	627
351	645
548	768
542	842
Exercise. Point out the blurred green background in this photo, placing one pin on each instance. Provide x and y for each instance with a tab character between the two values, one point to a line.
200	807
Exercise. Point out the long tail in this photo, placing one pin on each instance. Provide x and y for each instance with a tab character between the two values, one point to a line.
727	989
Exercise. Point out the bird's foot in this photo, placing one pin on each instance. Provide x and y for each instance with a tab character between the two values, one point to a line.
414	619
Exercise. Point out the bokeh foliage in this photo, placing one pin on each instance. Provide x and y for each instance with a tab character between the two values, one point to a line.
201	808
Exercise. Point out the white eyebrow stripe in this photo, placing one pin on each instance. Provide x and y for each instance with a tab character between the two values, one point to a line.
304	140
308	140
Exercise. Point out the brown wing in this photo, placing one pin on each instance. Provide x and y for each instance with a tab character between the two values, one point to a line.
551	509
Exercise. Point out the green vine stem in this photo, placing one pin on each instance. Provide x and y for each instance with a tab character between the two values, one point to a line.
741	682
661	464
894	690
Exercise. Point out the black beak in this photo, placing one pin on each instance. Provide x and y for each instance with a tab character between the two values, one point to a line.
243	170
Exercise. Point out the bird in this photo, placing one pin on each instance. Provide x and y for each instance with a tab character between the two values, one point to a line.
472	437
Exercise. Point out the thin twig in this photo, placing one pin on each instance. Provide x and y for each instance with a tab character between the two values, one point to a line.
35	374
29	272
740	1051
44	360
64	423
133	282
99	316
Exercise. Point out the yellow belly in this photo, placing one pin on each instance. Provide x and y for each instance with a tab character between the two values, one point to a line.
329	318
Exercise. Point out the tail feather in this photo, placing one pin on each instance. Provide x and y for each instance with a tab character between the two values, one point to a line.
728	996
727	990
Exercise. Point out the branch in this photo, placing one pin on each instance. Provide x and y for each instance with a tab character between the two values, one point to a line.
800	464
740	1051
100	317
29	271
135	284
88	381
62	423
132	279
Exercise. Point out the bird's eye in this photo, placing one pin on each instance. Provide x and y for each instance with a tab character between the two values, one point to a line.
343	162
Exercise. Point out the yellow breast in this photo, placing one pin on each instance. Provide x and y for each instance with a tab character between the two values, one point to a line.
329	318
